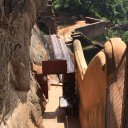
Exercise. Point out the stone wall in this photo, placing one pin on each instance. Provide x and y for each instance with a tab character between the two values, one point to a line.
93	30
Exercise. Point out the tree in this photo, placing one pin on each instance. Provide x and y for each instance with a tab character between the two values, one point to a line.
116	10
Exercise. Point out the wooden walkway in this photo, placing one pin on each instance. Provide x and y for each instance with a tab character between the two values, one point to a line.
54	116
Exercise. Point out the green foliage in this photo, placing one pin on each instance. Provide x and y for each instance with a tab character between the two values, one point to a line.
114	10
125	37
65	5
118	33
100	38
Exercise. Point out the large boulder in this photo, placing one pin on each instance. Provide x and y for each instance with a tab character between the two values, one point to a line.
20	103
37	50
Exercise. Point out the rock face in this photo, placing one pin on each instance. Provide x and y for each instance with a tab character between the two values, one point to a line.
37	50
19	100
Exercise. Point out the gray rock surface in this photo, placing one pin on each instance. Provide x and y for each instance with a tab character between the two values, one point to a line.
37	50
20	103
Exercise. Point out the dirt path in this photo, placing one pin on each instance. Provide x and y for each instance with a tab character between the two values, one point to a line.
55	117
65	32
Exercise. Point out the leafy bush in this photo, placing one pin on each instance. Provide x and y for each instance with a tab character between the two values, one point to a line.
114	10
118	33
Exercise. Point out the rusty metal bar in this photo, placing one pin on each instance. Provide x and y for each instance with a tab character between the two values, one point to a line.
54	67
68	84
42	80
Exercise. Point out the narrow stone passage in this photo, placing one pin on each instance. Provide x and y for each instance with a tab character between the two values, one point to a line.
55	117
